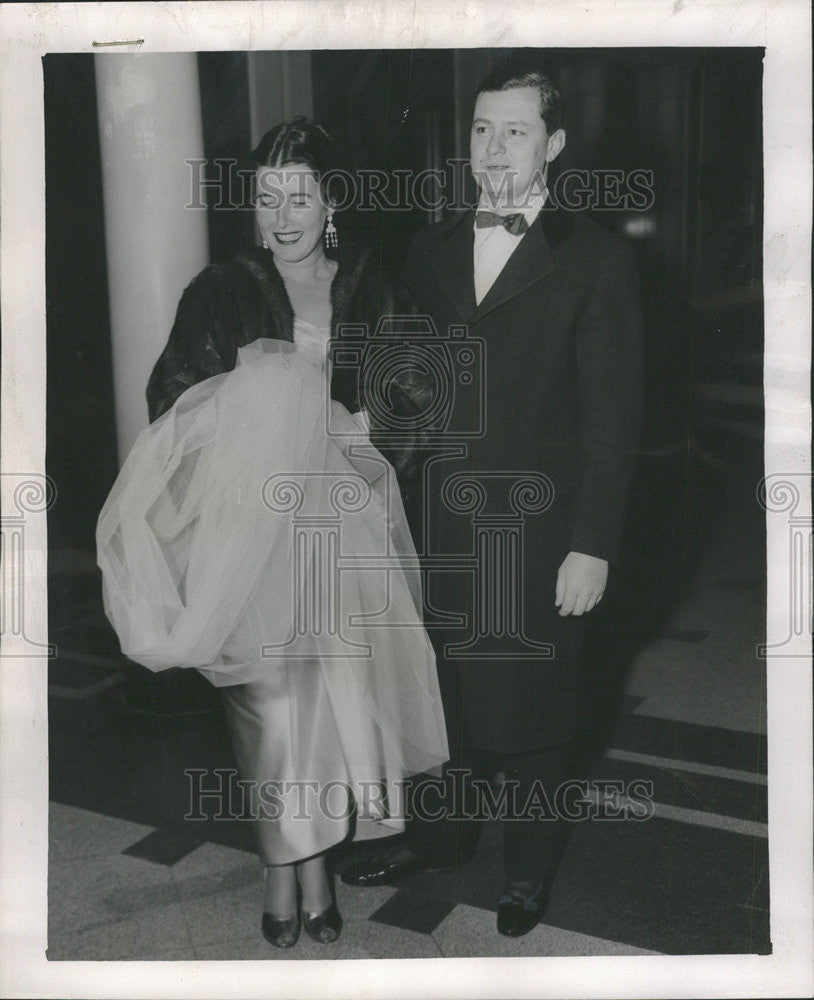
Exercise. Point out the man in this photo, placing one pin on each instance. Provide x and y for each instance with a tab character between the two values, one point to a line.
553	298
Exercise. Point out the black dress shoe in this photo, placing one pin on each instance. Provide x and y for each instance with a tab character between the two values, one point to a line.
516	915
281	933
391	864
323	927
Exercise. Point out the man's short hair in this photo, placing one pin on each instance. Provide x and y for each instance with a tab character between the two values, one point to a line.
512	75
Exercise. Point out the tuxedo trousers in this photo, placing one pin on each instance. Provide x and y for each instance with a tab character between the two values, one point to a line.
513	718
447	817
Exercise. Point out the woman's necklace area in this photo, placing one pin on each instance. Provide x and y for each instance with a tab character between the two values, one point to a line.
310	294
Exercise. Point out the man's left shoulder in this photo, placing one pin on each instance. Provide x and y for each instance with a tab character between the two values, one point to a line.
430	236
596	243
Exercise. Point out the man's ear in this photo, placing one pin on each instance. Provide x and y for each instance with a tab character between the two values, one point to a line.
556	144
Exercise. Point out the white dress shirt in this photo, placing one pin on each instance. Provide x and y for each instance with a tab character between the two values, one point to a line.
494	245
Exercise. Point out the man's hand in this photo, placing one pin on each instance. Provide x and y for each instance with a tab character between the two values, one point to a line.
580	583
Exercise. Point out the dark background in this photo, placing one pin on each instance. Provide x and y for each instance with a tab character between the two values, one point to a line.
692	116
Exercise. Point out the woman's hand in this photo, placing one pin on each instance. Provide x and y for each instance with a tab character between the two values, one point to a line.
580	583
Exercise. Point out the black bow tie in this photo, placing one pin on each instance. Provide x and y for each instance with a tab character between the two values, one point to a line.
515	224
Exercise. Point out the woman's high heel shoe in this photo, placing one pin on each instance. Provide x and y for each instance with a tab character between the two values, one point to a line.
281	933
323	927
285	932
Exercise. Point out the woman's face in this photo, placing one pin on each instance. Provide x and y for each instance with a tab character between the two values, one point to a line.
290	211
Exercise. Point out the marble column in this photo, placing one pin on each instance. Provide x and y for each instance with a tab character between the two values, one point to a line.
150	132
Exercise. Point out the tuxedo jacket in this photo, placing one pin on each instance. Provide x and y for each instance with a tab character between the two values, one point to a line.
558	403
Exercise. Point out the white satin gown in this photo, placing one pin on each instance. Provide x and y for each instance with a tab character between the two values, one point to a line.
256	535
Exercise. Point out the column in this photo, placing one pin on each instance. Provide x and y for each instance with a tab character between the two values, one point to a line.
149	130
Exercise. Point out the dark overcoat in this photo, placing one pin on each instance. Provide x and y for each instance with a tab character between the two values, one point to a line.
546	420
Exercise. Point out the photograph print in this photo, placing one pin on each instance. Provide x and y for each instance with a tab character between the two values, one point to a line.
407	547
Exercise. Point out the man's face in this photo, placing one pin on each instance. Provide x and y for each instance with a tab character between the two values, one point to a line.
510	145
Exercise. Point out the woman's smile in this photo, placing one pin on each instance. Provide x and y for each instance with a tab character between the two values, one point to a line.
287	238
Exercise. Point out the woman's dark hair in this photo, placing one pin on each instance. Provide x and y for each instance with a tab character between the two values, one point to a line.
511	75
301	141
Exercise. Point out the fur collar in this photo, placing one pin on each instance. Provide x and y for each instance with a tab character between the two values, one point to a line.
352	261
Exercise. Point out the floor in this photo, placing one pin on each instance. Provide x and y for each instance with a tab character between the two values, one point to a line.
675	696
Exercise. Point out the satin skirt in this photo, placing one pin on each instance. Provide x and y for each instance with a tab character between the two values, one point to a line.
256	535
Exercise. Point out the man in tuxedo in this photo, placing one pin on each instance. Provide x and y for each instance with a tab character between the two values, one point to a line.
552	298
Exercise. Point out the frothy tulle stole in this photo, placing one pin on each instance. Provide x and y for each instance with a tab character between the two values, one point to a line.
253	528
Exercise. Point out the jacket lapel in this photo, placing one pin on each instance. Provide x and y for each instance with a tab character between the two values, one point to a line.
531	262
452	261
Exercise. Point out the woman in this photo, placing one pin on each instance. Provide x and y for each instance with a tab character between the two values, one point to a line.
214	541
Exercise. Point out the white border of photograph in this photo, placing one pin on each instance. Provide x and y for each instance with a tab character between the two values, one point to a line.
27	32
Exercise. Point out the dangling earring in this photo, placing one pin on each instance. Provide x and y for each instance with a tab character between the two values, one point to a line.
265	243
331	239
